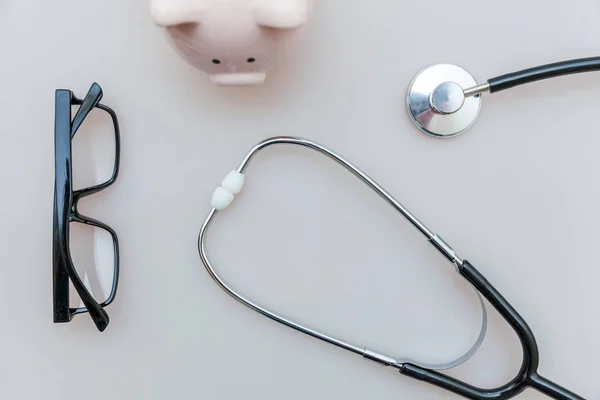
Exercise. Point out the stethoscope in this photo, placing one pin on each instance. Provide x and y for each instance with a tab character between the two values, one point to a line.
527	376
444	100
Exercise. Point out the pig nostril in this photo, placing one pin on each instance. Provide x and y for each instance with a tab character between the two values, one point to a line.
251	59
215	61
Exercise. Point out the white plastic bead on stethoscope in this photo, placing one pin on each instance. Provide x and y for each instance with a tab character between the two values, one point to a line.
231	185
233	182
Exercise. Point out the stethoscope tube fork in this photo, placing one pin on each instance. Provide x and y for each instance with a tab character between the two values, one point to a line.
527	375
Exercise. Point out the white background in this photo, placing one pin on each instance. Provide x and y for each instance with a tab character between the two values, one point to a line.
517	195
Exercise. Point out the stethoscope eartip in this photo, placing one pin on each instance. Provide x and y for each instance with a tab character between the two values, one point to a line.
437	102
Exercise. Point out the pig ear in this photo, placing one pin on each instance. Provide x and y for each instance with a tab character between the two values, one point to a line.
281	14
175	12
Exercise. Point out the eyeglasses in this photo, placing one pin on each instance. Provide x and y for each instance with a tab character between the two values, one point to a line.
67	216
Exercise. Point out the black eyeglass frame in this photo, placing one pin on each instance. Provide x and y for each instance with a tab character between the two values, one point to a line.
65	208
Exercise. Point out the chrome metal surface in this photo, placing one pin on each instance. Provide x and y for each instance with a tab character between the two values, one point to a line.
475	90
442	246
378	358
447	251
432	82
447	98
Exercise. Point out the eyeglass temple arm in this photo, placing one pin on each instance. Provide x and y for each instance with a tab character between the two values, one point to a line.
97	313
91	100
527	376
529	75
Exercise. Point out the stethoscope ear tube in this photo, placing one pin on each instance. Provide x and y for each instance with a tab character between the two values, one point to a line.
527	376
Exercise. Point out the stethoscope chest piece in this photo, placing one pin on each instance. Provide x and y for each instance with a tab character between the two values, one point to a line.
437	103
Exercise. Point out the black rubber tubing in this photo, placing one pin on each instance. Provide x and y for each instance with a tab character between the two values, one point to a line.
527	375
547	71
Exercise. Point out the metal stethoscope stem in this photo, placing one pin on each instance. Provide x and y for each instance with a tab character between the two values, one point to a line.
444	100
476	90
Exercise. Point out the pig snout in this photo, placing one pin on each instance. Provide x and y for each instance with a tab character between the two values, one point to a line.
238	78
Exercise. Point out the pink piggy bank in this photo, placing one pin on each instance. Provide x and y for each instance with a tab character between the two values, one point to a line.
235	41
